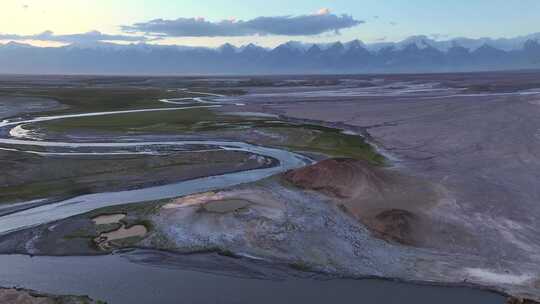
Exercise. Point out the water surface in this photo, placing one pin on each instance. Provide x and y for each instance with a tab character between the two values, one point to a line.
157	277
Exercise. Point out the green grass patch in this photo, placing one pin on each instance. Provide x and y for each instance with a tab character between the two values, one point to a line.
61	188
82	233
159	121
337	144
140	209
304	137
300	266
311	138
328	141
80	100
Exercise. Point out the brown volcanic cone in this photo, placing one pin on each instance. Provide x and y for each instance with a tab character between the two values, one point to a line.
340	177
395	207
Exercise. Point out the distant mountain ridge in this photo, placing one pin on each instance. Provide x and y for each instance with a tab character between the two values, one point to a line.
414	54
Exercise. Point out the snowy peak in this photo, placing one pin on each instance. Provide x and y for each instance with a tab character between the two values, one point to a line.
227	48
418	42
355	44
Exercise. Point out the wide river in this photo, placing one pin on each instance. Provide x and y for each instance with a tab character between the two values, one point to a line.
157	277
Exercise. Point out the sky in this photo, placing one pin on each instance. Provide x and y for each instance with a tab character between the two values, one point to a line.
267	23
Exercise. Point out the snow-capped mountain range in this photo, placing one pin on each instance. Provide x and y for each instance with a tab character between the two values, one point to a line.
414	54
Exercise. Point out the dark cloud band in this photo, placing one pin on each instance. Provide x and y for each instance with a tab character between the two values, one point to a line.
303	25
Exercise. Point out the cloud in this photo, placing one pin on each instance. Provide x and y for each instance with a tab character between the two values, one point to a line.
323	11
88	37
322	21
